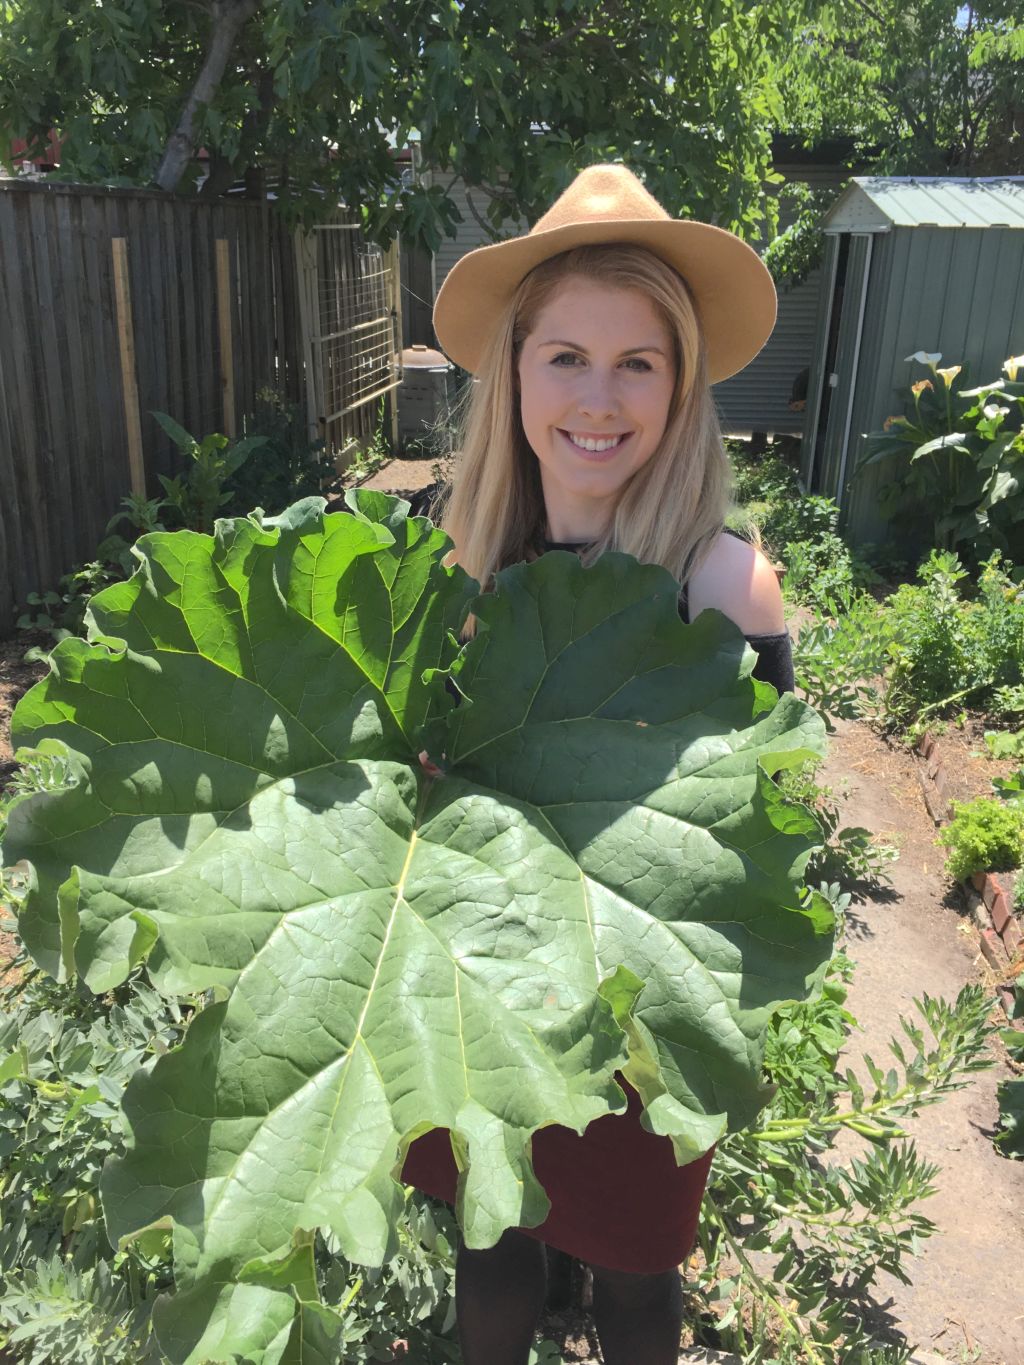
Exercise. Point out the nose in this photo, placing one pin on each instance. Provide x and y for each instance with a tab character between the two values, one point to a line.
597	398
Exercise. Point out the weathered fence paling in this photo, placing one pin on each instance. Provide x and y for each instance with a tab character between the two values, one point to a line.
118	303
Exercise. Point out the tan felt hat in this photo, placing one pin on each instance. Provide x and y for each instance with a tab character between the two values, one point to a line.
731	286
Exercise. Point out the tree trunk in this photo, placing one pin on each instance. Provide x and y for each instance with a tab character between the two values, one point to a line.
229	17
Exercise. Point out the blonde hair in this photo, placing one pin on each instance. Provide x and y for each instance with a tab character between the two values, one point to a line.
671	510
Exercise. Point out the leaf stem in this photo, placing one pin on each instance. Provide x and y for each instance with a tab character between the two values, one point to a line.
791	1322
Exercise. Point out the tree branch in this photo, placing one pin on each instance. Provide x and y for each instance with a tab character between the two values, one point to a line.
229	17
492	236
870	11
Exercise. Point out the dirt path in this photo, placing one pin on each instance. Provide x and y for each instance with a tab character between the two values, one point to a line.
966	1301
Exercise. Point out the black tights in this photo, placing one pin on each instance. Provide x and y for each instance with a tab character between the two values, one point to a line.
499	1295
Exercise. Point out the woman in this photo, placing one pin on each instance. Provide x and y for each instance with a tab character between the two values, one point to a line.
594	339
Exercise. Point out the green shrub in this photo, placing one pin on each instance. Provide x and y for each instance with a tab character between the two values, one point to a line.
952	460
985	835
288	465
761	481
947	650
838	658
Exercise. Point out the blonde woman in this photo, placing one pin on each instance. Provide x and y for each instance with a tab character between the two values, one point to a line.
594	339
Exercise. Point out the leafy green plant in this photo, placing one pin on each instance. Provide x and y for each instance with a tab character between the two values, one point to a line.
818	572
61	612
410	1298
838	660
799	530
983	836
288	464
797	250
142	515
946	650
825	1229
364	459
763	483
198	494
849	856
66	1295
1007	701
1010	1094
300	863
65	1059
1005	743
955	462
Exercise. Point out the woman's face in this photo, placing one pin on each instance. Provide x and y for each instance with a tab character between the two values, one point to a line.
596	378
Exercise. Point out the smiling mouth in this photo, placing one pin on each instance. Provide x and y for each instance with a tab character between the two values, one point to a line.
595	445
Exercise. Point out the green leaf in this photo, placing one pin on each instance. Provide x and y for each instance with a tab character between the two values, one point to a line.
12	1067
367	63
1011	1115
604	880
952	439
185	443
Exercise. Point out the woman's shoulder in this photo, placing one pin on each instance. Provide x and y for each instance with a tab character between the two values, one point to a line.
737	579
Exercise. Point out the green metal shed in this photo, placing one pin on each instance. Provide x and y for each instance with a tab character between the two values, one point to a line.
910	265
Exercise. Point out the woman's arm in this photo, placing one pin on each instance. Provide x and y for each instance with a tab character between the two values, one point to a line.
737	579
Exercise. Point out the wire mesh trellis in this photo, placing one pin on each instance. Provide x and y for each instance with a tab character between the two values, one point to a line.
353	352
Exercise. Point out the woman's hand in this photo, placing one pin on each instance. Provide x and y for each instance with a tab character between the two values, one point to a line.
431	769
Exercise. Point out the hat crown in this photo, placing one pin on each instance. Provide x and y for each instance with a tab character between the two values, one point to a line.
602	194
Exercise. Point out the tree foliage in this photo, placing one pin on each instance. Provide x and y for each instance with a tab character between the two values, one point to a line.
929	87
316	95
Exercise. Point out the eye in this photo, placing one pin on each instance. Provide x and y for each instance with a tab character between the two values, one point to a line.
638	363
565	359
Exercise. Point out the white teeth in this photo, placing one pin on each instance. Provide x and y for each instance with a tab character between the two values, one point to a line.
589	443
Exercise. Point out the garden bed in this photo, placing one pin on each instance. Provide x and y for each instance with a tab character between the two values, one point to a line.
968	766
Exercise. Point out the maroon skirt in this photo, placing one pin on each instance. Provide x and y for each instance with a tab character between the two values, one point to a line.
618	1199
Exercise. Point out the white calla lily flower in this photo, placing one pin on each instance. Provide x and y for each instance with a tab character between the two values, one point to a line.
929	358
983	388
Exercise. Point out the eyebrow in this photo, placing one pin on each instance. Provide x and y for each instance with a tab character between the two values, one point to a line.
575	346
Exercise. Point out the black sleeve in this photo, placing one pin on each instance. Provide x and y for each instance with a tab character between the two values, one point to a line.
423	503
774	660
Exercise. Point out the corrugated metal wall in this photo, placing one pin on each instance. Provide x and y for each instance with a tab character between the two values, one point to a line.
757	399
958	291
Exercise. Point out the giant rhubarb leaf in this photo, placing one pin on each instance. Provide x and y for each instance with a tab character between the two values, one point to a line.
604	878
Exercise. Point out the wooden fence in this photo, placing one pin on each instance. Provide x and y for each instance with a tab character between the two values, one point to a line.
118	303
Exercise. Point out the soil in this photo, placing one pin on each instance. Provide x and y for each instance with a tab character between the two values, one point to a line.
964	1303
965	759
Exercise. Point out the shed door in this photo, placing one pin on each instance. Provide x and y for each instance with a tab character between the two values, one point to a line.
842	355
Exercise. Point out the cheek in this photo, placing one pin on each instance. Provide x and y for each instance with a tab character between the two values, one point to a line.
538	399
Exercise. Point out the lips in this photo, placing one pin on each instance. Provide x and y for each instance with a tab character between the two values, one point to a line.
608	452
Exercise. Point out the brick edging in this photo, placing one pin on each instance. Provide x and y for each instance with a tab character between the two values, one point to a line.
990	901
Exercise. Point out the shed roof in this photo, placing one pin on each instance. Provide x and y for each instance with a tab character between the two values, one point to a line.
878	203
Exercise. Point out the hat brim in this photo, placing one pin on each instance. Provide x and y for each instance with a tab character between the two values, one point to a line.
731	287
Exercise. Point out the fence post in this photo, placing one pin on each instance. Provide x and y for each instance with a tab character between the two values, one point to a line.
309	318
129	382
394	260
227	354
